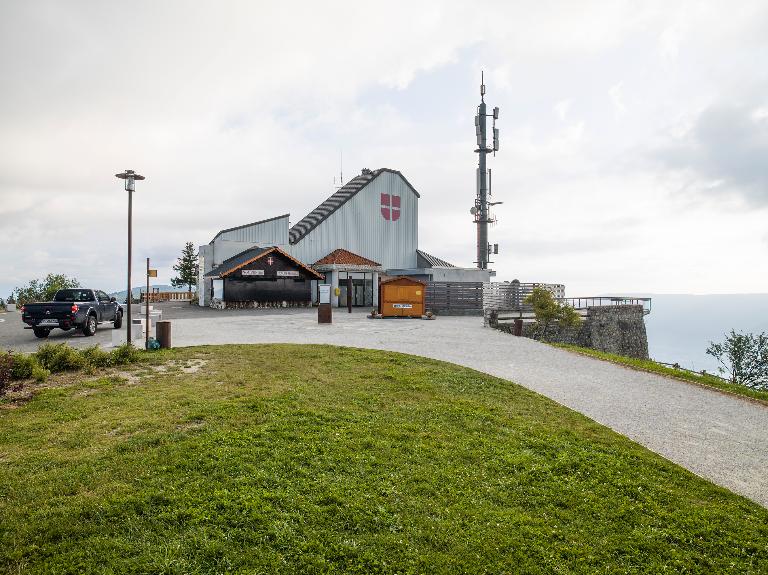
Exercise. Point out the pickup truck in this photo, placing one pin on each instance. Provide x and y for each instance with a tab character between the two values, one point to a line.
78	308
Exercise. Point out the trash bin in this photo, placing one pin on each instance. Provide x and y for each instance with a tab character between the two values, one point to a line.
163	334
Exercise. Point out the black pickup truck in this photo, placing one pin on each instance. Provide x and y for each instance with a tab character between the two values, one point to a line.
78	308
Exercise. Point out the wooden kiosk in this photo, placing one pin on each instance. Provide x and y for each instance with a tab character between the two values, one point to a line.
402	297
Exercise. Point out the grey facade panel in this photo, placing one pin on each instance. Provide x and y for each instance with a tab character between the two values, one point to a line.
360	226
228	243
272	231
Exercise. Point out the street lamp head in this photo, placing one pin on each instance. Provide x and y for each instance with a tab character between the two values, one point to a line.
129	176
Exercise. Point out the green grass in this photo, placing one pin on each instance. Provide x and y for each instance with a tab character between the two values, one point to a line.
655	367
315	459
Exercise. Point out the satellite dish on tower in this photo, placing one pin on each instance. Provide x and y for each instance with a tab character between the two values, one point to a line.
473	210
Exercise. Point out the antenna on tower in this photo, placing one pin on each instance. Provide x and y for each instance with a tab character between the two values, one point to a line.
341	172
481	210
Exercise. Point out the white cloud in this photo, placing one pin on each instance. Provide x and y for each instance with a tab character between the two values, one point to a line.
236	111
615	93
562	108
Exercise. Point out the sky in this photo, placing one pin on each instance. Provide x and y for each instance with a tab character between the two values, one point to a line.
633	135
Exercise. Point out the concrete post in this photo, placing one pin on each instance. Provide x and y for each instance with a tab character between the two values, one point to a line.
375	290
334	287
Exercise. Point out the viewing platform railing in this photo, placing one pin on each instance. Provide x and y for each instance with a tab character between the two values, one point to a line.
602	301
511	296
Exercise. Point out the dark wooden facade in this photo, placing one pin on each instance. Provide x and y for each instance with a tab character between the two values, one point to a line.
271	277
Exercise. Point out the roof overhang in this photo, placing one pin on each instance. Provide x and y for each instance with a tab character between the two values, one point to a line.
224	271
346	268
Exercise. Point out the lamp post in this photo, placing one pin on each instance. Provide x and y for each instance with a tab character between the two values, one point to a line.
130	177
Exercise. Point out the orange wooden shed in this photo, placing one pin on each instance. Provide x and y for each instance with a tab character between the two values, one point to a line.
402	297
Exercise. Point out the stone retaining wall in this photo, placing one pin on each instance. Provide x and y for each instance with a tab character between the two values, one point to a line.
612	329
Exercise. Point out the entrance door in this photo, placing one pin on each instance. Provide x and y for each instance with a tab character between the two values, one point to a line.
362	289
358	293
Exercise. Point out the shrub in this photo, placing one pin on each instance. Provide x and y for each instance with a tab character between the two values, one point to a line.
60	357
39	373
743	357
124	354
96	357
23	366
54	358
549	311
6	369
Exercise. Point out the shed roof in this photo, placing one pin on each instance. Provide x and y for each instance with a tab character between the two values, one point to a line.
429	261
402	278
338	199
248	256
345	257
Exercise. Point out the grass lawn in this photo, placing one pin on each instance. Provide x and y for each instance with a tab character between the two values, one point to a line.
654	367
315	459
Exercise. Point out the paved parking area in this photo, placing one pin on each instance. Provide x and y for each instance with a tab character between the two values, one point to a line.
719	437
14	337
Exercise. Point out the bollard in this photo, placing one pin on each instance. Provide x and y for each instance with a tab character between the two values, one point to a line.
163	334
518	329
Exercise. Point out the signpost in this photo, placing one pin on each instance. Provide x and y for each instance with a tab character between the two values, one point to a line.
324	313
150	274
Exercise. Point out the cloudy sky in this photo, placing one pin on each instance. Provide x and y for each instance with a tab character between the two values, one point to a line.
634	135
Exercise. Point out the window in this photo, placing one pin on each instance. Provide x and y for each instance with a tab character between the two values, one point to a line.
74	295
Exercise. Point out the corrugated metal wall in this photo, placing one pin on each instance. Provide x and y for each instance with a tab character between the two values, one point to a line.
271	232
360	227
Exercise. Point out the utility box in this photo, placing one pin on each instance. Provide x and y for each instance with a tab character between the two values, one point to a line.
163	334
402	297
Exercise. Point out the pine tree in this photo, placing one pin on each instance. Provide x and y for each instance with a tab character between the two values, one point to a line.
186	267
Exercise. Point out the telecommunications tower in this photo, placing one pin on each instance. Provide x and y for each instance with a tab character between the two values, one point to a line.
480	210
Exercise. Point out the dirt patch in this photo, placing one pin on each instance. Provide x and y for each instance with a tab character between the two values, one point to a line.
191	425
129	377
193	365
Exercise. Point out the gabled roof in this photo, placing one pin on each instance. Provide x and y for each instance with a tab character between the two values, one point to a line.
401	278
338	199
345	257
248	225
246	257
426	260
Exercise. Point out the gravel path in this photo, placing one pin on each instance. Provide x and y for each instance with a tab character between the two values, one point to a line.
719	437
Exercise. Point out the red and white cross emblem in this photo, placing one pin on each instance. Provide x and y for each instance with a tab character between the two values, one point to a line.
270	260
390	207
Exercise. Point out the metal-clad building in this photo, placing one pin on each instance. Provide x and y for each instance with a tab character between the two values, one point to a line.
374	216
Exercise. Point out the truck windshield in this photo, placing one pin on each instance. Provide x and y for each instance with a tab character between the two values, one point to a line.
73	295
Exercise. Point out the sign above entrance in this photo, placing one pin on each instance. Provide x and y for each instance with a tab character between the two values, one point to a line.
252	272
287	274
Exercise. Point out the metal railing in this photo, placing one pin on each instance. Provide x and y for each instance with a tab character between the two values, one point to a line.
511	295
703	372
603	301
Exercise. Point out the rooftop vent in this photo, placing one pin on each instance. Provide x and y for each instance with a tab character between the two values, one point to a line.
367	172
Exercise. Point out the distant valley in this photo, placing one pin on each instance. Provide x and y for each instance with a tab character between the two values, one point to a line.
680	327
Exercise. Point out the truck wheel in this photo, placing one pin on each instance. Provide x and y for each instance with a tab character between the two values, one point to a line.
90	325
118	320
41	332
